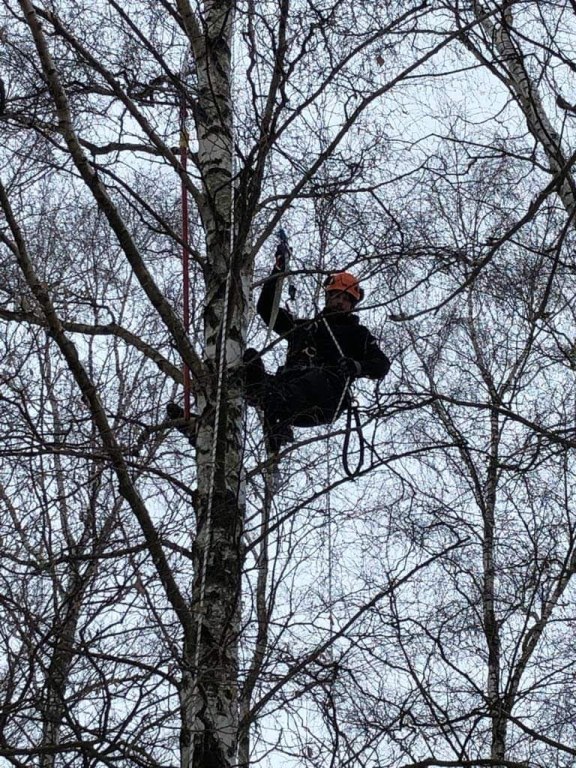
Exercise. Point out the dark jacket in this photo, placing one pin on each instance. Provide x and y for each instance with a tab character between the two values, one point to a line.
311	343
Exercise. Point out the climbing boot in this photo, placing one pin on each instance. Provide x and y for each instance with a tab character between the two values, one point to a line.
277	434
186	427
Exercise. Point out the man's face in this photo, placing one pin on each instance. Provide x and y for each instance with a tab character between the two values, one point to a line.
339	301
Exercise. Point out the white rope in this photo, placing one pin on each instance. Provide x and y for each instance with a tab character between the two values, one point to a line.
219	387
348	378
210	503
330	549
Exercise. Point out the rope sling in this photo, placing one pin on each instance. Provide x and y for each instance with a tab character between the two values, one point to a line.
352	412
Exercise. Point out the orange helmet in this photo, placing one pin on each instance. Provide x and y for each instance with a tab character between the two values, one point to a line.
344	282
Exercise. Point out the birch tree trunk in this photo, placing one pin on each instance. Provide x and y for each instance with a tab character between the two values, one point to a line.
491	625
526	94
525	91
294	63
209	685
209	690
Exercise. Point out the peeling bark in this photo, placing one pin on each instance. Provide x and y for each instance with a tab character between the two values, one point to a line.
491	625
209	696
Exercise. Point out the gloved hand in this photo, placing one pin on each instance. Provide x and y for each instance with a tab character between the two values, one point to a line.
349	366
280	256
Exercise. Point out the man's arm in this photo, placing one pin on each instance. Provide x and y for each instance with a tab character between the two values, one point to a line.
374	363
284	321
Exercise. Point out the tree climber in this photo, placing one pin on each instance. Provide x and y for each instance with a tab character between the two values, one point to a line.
325	354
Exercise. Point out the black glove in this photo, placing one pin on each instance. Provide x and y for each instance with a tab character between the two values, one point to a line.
280	256
349	366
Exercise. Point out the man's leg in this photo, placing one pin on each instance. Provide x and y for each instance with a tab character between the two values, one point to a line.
256	380
259	389
298	397
186	426
305	397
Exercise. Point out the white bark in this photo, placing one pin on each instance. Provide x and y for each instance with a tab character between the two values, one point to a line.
491	625
209	689
529	101
541	128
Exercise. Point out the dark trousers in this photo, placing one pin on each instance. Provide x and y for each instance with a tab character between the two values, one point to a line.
300	397
304	397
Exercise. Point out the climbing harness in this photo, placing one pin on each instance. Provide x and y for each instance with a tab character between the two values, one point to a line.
342	281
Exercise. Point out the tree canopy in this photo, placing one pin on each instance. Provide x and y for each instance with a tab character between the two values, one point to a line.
167	601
